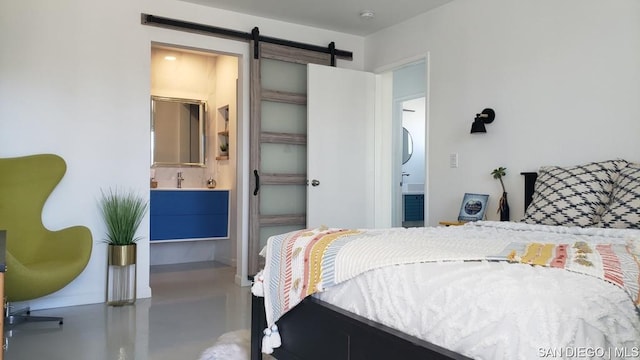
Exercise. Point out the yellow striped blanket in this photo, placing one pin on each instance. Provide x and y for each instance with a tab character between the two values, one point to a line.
618	264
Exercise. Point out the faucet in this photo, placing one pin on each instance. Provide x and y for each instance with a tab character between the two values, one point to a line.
180	178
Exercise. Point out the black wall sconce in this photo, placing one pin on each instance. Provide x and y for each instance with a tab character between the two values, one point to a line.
485	117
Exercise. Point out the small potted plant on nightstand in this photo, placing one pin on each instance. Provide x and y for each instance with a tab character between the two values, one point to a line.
122	214
503	204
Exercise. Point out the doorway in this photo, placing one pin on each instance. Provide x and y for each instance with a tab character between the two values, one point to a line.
409	124
413	162
210	78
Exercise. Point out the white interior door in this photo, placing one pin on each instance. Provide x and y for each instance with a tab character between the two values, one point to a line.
340	147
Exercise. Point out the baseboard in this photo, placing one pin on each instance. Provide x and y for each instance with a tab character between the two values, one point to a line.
242	281
57	301
53	302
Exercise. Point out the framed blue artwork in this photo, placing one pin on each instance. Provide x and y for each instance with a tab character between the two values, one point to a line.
473	207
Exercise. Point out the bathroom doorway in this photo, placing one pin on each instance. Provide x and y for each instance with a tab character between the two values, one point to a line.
180	73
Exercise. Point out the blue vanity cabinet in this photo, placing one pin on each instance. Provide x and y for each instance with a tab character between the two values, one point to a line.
189	214
413	207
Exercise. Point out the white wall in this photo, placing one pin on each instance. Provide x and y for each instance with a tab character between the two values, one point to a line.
226	169
562	76
76	82
77	85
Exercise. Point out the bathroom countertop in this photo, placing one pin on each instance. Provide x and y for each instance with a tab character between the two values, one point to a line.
188	189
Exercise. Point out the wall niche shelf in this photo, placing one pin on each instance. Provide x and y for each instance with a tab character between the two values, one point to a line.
223	132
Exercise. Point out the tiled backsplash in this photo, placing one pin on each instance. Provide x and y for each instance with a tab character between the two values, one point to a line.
194	177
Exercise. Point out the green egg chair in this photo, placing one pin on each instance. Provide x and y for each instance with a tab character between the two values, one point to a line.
39	261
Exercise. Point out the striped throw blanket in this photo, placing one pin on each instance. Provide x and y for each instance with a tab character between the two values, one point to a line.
301	263
618	264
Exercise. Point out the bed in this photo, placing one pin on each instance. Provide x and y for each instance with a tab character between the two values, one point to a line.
487	303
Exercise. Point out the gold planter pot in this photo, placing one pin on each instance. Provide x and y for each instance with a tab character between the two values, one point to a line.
121	275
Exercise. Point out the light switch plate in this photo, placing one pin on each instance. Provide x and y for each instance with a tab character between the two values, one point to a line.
453	160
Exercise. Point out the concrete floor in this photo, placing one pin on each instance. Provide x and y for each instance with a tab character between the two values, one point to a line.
192	305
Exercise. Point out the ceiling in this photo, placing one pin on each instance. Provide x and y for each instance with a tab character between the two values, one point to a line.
338	15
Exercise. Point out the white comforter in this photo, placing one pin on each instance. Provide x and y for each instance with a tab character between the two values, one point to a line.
497	310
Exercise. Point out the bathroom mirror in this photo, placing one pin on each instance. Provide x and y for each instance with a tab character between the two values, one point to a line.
407	145
177	131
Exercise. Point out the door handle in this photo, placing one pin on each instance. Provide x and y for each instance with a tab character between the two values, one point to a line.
257	188
315	182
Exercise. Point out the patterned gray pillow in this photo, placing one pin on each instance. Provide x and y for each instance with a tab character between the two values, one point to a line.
572	196
624	210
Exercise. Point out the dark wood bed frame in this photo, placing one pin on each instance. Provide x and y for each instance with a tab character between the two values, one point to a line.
318	330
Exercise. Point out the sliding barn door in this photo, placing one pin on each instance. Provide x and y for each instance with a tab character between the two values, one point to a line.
311	145
340	147
278	138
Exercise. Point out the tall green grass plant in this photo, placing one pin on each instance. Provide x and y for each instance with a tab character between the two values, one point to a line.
122	212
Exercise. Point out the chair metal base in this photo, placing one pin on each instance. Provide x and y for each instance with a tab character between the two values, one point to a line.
24	315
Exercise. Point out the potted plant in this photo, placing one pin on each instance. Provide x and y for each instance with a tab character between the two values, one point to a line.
503	204
224	149
122	213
